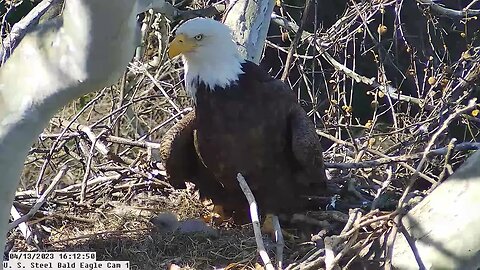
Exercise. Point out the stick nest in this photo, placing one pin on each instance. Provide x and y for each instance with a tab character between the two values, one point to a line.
390	85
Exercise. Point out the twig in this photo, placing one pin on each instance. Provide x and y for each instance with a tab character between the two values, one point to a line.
215	9
471	105
311	261
166	122
57	141
390	90
450	150
138	143
23	227
331	244
472	75
293	46
448	12
42	199
287	24
391	241
88	168
403	164
100	147
382	189
75	187
354	215
255	221
279	241
366	220
154	81
470	5
98	234
467	146
411	243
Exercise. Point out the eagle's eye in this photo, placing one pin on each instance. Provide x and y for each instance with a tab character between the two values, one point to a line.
199	37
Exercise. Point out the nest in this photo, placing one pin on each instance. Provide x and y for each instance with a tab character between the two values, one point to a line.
392	97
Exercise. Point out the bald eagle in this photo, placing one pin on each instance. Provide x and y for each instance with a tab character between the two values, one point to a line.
245	122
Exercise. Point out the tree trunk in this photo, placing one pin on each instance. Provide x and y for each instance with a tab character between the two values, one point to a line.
249	21
86	49
445	226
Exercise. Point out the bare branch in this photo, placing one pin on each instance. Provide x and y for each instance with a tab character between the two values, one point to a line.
255	221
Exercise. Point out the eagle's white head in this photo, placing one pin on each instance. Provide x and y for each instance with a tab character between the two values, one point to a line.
208	53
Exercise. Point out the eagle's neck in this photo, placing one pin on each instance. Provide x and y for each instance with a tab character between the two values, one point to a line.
213	72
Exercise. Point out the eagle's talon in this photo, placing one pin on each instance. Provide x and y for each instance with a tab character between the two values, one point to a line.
217	215
268	228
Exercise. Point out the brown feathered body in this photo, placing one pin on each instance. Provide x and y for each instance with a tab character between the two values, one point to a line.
254	127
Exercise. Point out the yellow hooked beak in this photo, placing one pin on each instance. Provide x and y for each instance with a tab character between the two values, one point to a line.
181	44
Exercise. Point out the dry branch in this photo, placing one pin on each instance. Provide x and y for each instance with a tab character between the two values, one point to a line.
279	241
415	81
255	222
448	12
41	200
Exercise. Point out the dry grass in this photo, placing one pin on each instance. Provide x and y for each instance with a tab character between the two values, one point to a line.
122	231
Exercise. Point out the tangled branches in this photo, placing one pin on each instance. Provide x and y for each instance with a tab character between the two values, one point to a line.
390	85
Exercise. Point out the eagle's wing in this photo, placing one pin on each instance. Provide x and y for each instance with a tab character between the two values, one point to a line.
305	144
183	162
306	149
177	151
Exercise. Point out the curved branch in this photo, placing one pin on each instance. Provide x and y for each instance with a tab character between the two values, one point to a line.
448	12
